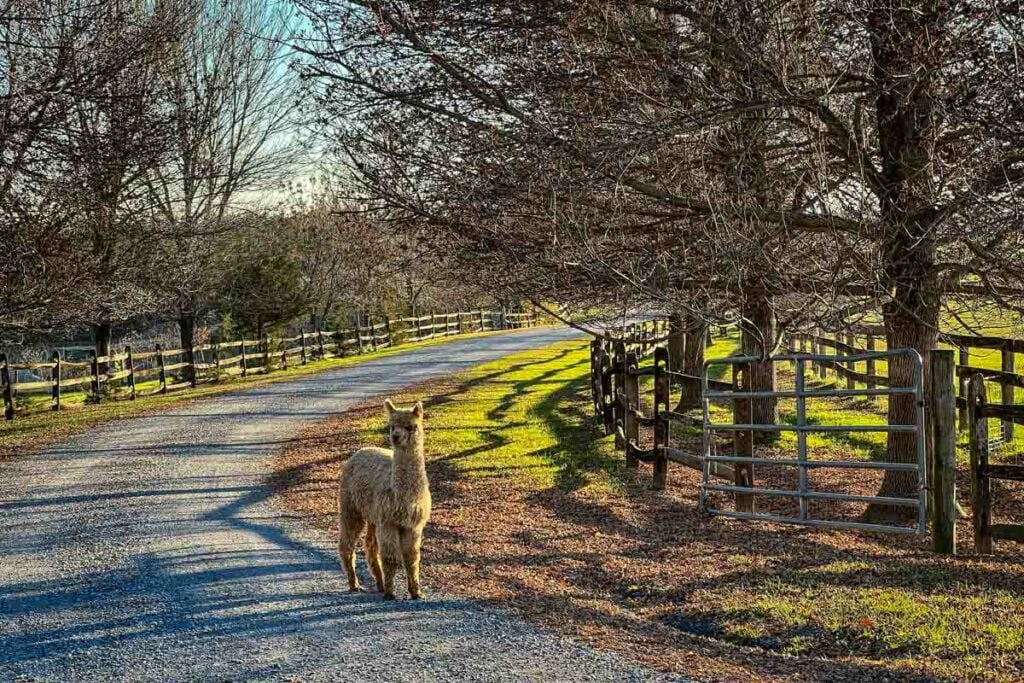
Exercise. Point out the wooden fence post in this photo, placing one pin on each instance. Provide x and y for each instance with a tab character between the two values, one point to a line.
852	365
193	374
320	341
5	379
387	331
302	337
55	380
943	418
284	353
161	373
94	373
266	354
963	380
1008	366
870	367
661	424
359	335
743	441
981	485
130	362
245	361
216	361
619	387
481	320
631	425
607	389
373	334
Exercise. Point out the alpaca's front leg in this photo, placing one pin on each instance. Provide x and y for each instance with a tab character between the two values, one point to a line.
390	548
411	541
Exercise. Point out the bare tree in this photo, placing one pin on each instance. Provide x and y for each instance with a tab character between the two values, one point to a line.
232	97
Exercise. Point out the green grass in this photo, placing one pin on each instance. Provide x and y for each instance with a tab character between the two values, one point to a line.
32	429
523	418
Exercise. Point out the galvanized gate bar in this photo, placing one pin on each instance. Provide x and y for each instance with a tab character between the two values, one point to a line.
800	393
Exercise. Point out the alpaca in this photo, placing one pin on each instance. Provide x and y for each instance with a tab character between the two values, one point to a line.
388	493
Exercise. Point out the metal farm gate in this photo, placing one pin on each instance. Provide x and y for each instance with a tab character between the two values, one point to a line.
743	433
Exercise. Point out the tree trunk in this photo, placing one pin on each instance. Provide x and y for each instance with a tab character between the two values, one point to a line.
758	333
676	341
692	363
102	333
901	40
187	331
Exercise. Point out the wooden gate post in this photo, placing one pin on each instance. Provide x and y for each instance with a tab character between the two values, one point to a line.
942	366
5	379
161	373
1008	366
661	424
55	380
981	485
130	362
631	393
743	441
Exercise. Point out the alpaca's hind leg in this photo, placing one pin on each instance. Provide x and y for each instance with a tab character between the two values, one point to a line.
411	541
373	556
349	528
390	548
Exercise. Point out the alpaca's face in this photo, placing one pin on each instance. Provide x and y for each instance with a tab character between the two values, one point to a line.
404	424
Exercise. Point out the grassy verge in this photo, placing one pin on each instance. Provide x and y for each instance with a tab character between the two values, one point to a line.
535	512
34	429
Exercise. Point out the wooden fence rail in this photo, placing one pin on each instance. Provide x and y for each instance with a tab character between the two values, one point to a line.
173	369
616	374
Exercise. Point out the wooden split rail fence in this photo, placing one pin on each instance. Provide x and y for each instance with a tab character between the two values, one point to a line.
167	370
616	373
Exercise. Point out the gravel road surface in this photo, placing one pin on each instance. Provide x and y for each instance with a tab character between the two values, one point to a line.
147	550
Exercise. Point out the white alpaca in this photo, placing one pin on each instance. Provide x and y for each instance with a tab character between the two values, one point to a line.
388	493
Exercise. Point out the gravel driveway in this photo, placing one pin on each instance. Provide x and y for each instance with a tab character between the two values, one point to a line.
146	549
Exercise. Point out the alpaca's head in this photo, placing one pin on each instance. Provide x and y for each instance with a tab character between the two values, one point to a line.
405	425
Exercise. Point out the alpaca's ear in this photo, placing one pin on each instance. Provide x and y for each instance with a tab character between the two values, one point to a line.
389	406
417	410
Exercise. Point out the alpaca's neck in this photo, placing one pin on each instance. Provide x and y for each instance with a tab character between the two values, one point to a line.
409	471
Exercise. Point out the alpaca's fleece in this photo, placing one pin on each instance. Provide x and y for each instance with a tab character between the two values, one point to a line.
388	492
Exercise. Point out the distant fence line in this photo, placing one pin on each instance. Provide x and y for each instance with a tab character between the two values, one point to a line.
175	369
